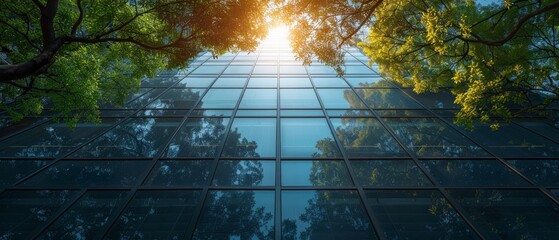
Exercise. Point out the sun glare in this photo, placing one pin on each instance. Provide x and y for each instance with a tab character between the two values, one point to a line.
278	34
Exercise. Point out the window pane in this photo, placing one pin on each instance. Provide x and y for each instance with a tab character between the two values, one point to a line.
513	141
251	137
377	81
220	98
156	215
177	98
260	98
86	218
208	69
301	113
471	173
386	98
300	70
238	70
307	137
263	69
542	128
115	173
329	82
542	172
256	113
51	139
340	98
263	82
389	173
200	82
365	137
245	173
315	173
198	137
429	137
230	82
417	214
298	98
295	82
324	214
23	212
180	173
510	214
12	171
137	137
237	214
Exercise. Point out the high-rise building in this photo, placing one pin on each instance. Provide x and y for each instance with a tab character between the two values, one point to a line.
258	146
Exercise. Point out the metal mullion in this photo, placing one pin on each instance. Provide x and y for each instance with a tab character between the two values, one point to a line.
374	221
198	210
101	133
58	214
414	158
277	185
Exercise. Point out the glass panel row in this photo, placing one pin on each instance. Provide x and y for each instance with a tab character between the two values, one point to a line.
250	214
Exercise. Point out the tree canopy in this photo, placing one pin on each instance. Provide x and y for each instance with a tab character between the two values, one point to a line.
72	55
498	57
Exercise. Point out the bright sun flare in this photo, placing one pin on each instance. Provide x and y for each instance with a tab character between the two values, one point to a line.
278	34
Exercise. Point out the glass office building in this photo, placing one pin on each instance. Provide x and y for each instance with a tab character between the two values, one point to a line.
257	146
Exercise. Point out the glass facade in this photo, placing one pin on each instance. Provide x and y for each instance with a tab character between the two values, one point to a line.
257	146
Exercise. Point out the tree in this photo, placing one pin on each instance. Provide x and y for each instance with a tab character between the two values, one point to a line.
71	55
499	58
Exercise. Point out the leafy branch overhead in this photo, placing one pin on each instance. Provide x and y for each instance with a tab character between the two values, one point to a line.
499	58
74	53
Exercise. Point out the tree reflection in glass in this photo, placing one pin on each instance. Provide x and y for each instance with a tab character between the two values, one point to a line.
324	214
237	214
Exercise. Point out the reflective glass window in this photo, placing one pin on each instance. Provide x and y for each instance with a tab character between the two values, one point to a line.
442	99
298	69
237	214
430	137
366	82
198	137
324	214
365	137
12	171
323	173
90	173
86	218
513	141
389	173
295	82
340	98
307	137
256	113
251	137
156	215
220	98
358	69
321	70
417	214
23	211
263	82
197	82
265	69
470	173
301	113
542	172
51	139
178	98
230	82
245	173
298	98
180	173
137	137
208	69
542	128
386	98
510	214
238	70
329	82
259	98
